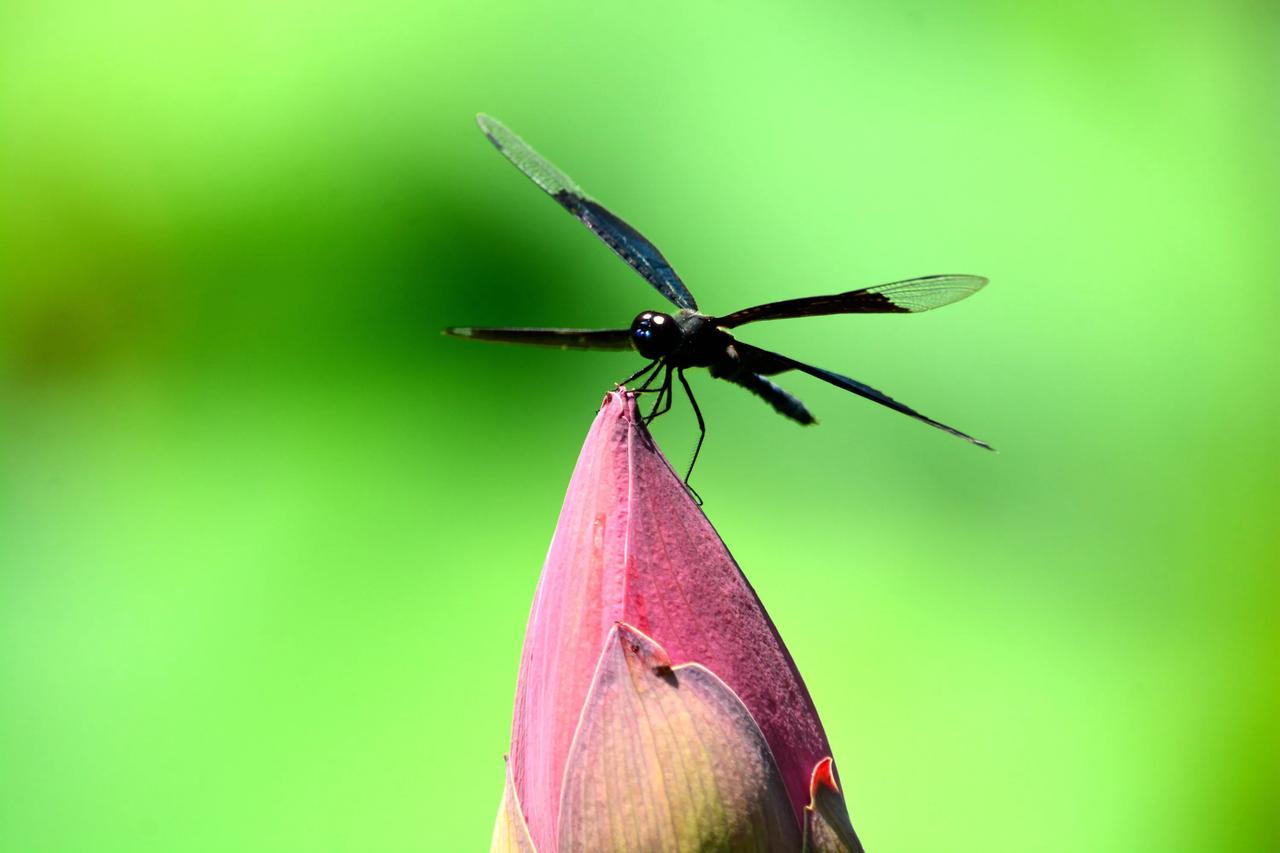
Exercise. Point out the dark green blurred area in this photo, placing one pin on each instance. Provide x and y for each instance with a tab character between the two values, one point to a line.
268	542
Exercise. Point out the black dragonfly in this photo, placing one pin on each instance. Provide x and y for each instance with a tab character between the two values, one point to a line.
689	338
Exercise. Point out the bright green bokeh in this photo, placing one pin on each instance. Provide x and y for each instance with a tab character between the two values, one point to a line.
268	542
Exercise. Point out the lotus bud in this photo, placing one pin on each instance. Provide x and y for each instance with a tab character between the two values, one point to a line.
656	707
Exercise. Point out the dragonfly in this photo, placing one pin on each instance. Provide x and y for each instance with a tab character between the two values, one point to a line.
672	342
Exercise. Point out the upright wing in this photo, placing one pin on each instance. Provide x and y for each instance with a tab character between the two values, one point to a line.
629	243
615	339
900	297
768	363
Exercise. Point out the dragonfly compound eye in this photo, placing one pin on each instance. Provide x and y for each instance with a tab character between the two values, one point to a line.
655	334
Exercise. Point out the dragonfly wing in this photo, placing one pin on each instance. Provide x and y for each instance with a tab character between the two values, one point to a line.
761	361
630	245
783	402
899	297
610	339
754	358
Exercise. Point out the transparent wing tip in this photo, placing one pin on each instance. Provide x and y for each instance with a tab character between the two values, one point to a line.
492	128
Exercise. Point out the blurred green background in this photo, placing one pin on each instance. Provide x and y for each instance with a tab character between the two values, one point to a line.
268	541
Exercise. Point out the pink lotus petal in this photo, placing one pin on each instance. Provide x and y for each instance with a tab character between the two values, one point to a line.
668	759
631	546
510	833
826	820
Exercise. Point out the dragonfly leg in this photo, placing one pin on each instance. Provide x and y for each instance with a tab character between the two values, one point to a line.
659	406
702	430
644	388
651	366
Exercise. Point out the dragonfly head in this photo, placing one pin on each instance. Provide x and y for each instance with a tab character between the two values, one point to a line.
655	334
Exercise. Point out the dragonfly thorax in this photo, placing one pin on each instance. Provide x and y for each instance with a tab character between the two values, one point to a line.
655	334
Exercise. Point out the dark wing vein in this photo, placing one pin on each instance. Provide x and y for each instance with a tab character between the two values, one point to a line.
902	297
630	245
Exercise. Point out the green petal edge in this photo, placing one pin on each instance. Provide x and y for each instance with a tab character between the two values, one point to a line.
510	833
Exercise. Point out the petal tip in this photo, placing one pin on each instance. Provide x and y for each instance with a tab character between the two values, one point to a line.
622	400
642	648
827	828
823	775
